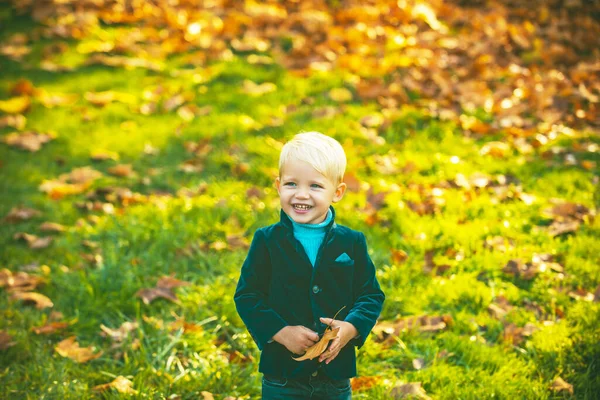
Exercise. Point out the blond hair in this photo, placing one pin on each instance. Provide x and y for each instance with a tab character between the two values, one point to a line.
323	153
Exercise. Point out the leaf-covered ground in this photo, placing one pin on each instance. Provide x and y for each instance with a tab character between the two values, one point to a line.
138	147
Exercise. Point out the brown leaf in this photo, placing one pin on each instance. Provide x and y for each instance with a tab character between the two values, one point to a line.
50	328
558	228
399	256
52	227
30	140
6	340
38	299
170	282
518	269
70	348
150	294
559	385
386	330
81	175
410	390
119	335
121	384
23	87
15	105
14	121
318	348
102	155
21	281
122	170
33	241
17	214
364	382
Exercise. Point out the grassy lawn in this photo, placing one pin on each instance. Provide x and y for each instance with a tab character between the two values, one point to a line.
443	220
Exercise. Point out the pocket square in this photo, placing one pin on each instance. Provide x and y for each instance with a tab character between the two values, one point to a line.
343	258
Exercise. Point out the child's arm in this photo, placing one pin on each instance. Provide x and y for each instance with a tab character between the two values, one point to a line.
368	295
252	290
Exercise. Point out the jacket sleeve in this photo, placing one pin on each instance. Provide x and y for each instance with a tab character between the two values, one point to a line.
252	293
367	294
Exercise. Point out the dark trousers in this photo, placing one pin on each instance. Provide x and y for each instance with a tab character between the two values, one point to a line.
316	386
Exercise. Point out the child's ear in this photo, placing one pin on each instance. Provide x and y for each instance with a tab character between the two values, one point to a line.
277	183
339	192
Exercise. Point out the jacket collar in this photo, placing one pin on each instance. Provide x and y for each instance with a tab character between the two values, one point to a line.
287	222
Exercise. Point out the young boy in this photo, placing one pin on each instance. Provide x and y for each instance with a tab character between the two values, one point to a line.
300	271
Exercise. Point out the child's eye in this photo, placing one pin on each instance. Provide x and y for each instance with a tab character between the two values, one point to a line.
289	184
316	186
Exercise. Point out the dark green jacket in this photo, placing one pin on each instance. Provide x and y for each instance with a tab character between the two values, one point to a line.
278	286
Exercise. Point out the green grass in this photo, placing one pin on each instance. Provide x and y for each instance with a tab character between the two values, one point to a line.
142	242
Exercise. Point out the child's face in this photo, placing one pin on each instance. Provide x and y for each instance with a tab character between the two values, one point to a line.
305	193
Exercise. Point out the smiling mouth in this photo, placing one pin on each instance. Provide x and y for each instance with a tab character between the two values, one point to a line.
301	207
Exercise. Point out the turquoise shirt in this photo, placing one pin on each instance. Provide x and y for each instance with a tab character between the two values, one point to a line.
311	236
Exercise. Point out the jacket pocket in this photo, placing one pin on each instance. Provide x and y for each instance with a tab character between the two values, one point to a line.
346	263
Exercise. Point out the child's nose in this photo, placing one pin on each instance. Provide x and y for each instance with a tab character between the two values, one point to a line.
302	194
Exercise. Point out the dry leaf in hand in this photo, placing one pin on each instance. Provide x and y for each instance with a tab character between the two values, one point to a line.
70	348
317	349
121	384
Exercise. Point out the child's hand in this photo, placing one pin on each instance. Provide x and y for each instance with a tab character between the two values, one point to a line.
296	338
346	333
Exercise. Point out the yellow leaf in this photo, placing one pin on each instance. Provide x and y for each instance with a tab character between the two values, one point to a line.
340	95
318	348
70	348
121	384
15	105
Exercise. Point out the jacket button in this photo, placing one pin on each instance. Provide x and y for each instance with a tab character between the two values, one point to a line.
316	289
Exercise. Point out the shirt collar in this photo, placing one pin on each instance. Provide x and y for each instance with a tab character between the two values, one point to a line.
286	221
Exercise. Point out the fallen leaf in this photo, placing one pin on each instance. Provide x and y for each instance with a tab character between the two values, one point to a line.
21	281
33	241
17	121
559	385
409	390
521	270
29	140
120	384
399	256
119	335
6	340
38	299
164	288
256	90
17	214
15	105
340	95
70	348
23	87
364	382
102	155
50	328
122	170
51	227
318	348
